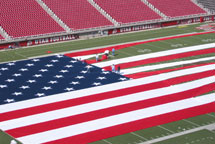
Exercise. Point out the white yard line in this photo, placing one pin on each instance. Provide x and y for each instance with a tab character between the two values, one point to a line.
107	141
179	134
138	136
166	129
191	122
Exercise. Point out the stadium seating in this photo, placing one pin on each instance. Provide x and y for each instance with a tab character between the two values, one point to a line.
21	18
209	4
128	11
177	8
1	38
77	14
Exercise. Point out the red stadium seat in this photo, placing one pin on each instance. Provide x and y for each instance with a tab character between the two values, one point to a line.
176	8
77	14
21	18
127	11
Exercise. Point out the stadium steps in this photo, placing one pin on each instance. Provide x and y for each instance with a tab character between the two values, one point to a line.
208	5
103	12
201	6
154	9
4	34
54	16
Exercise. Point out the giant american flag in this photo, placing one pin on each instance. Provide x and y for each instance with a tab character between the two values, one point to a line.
61	100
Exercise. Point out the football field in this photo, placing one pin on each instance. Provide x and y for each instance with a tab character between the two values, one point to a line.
194	130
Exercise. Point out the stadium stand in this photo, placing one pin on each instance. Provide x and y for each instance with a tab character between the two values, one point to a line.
208	4
77	14
1	38
128	11
21	18
177	8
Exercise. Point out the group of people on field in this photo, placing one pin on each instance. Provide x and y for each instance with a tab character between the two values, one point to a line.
105	56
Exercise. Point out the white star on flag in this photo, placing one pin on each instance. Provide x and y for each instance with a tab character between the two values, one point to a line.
3	86
58	76
54	61
96	83
75	83
24	87
105	72
37	75
122	79
29	65
17	93
35	60
69	66
53	82
23	69
46	88
10	80
101	78
69	89
80	77
72	61
49	65
16	75
31	81
11	63
64	71
9	100
59	56
83	72
89	66
4	69
40	94
43	70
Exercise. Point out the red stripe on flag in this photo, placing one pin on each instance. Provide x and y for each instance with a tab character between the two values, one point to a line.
67	121
102	96
136	125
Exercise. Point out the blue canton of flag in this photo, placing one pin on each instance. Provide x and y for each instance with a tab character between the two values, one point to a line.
28	79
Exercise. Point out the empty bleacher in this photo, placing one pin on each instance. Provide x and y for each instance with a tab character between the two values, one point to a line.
21	18
77	14
208	4
177	8
1	37
128	11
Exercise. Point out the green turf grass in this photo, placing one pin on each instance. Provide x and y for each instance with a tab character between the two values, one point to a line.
199	137
203	119
5	138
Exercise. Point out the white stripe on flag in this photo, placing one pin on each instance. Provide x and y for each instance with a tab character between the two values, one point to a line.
116	120
101	89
